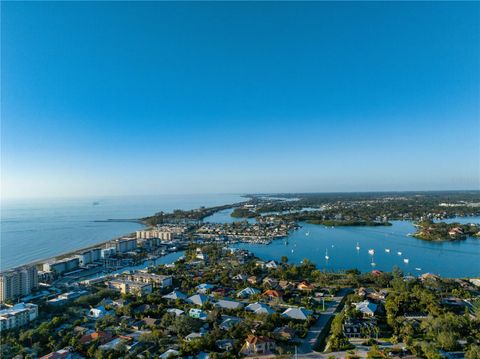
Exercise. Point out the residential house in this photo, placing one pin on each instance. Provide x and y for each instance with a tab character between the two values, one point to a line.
304	285
175	295
98	312
255	345
297	313
284	333
247	292
259	308
367	308
229	304
199	299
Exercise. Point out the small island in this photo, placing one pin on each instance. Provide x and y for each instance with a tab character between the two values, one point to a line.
441	231
242	212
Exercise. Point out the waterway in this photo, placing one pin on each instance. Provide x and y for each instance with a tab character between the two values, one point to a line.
314	242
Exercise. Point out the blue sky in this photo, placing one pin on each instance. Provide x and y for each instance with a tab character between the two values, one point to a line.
102	98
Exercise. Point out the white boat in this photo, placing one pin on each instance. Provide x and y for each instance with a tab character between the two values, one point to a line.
326	255
357	247
292	250
307	234
371	252
399	253
418	268
387	250
373	264
405	260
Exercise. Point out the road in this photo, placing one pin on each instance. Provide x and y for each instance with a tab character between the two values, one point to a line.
305	350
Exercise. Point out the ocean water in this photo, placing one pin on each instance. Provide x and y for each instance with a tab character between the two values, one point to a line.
36	229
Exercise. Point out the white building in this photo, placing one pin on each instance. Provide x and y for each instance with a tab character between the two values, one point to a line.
18	315
17	282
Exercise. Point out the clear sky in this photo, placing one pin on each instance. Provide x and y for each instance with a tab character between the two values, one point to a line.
103	98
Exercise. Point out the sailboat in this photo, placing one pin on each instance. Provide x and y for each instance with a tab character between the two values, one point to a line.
357	247
371	252
373	264
326	255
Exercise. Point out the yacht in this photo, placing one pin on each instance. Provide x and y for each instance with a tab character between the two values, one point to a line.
399	253
418	268
326	255
387	250
357	247
405	260
371	252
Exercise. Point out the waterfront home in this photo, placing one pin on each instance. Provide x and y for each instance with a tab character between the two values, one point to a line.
372	294
271	265
247	292
199	299
367	308
175	295
229	304
255	345
297	313
253	279
259	308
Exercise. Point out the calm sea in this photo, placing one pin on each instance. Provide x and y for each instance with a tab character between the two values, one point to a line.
450	259
35	229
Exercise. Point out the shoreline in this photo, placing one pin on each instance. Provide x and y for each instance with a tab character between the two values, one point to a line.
146	225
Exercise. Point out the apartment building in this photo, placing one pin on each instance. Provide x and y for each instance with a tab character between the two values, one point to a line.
17	282
18	315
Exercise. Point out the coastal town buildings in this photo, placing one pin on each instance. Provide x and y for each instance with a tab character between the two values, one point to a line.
123	245
156	280
130	287
60	266
155	233
17	282
18	315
